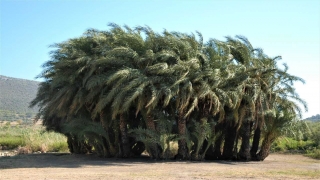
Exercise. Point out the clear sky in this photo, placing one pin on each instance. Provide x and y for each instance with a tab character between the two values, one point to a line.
287	28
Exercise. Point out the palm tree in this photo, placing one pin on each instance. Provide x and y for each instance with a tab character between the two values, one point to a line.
60	96
284	108
136	86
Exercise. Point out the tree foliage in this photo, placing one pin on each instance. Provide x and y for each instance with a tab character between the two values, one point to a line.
120	91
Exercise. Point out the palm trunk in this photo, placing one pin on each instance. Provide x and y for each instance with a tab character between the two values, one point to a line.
244	153
70	143
182	143
124	137
255	143
106	152
109	149
214	151
265	147
115	137
230	137
201	143
137	146
154	152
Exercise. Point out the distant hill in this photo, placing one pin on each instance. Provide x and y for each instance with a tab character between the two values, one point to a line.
15	96
314	118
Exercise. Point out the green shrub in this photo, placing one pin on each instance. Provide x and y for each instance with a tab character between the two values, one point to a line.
292	141
315	153
11	142
316	134
284	144
58	147
33	138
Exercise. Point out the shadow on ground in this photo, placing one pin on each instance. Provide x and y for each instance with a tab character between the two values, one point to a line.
66	160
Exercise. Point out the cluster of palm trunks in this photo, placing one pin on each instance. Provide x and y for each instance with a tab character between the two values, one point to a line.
124	91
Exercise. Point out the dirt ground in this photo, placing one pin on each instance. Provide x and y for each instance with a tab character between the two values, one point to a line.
68	166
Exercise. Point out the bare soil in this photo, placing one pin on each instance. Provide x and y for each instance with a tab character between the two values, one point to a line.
70	166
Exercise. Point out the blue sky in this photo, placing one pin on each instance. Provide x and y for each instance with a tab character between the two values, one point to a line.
287	28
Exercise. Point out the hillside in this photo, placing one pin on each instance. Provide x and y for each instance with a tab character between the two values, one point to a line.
15	95
314	118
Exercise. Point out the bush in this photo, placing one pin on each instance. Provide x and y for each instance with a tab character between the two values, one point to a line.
316	133
284	144
11	137
315	153
32	139
11	142
301	137
59	147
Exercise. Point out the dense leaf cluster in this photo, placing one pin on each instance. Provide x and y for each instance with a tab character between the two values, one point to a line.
122	91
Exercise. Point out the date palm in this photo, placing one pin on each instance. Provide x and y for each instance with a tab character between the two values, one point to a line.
60	95
283	108
136	80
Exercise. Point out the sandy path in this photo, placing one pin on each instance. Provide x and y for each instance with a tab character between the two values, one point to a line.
57	166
